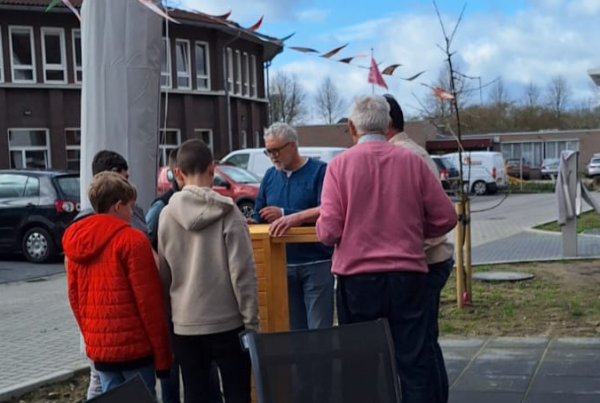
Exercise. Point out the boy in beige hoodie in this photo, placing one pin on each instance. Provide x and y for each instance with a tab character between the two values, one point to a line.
208	273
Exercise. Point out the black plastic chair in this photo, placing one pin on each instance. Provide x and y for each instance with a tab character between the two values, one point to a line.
132	391
349	364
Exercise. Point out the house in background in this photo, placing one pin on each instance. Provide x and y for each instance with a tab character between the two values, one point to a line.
212	75
533	147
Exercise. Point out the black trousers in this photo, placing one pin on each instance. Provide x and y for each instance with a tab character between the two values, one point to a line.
403	298
195	354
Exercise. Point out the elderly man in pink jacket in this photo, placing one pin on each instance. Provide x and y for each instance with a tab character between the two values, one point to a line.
379	203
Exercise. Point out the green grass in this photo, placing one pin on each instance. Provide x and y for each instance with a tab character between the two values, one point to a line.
586	221
561	300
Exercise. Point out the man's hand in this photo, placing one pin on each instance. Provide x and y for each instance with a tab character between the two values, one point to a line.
270	214
281	225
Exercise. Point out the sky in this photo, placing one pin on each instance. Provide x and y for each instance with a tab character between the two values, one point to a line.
521	41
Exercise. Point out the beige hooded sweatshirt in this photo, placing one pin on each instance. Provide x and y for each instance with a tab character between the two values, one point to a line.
206	263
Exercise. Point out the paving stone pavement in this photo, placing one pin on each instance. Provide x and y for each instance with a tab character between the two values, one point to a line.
38	334
523	370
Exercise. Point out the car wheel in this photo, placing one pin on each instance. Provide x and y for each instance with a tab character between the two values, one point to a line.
479	188
38	246
247	208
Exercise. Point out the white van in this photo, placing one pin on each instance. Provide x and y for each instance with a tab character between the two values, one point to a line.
483	171
256	161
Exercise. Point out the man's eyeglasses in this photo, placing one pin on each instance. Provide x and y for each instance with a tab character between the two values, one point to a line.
274	152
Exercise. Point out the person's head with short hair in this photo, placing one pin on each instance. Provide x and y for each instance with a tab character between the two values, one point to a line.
281	146
107	160
195	165
175	182
369	114
110	193
396	115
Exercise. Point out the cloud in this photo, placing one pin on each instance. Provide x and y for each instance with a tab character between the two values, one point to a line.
313	15
274	10
543	39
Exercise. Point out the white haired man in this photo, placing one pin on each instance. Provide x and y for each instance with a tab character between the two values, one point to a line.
289	196
378	217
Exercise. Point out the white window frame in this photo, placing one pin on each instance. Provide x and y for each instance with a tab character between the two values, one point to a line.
229	70
72	147
165	149
246	75
1	58
46	67
533	163
169	73
76	33
547	142
253	77
198	134
24	149
200	77
238	77
187	75
23	67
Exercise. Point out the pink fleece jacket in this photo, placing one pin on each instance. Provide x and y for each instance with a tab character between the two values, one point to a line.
379	202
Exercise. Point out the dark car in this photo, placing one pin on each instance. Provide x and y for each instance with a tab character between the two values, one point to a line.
35	209
516	166
449	175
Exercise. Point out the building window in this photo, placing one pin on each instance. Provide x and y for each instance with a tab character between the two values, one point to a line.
29	148
229	70
246	75
253	87
53	55
205	135
73	143
77	57
238	72
202	66
165	64
531	153
184	80
22	55
1	59
169	140
257	139
243	139
555	148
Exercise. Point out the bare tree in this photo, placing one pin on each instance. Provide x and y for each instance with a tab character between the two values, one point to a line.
558	95
498	94
532	95
286	99
329	105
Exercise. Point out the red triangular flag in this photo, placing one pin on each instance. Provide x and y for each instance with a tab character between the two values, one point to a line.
375	76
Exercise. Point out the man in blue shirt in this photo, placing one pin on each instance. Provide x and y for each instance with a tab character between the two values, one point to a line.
289	196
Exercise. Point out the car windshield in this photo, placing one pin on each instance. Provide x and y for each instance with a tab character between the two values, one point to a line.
550	161
69	185
239	175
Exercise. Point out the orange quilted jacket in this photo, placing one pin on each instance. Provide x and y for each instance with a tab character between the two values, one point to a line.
115	293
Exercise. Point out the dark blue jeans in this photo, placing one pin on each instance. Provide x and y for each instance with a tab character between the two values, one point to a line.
437	279
403	298
310	295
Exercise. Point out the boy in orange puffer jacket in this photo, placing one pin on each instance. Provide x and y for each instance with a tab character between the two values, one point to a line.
114	288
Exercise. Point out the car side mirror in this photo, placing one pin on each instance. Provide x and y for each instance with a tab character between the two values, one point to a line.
221	182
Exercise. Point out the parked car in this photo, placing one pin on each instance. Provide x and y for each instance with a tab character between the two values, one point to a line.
449	175
256	160
593	167
514	166
35	209
549	167
483	171
229	180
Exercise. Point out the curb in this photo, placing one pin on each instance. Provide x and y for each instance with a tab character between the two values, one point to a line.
22	388
536	260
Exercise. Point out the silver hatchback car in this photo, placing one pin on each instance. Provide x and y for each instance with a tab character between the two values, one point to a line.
593	167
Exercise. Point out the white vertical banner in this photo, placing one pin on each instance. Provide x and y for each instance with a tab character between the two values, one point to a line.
121	47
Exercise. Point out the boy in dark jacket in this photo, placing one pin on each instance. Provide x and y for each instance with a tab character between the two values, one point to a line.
114	288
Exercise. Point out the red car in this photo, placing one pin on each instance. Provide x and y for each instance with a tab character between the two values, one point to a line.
231	181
